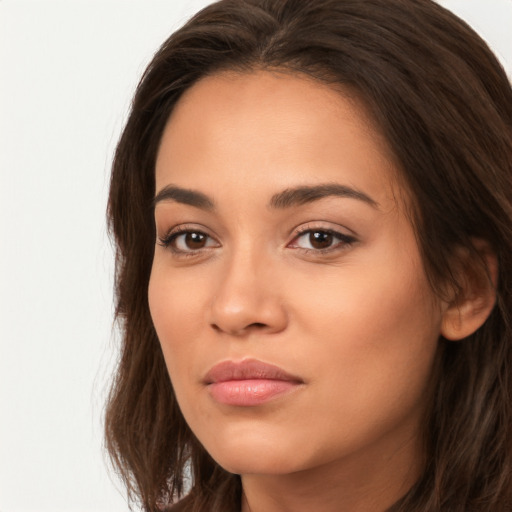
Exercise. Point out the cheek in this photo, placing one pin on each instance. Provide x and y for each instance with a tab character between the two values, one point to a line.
373	330
370	347
177	314
170	306
362	304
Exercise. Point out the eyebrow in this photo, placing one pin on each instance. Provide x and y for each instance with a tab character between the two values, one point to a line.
307	194
184	196
286	199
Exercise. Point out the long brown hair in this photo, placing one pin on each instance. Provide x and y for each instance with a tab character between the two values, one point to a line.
444	104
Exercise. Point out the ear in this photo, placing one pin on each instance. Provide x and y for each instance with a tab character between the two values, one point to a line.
477	273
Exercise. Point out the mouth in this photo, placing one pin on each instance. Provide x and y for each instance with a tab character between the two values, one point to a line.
249	383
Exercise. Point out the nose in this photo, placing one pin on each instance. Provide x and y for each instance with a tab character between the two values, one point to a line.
247	299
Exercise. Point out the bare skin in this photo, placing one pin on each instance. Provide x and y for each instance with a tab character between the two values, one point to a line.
329	287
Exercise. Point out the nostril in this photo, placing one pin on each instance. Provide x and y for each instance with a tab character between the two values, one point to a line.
247	328
258	325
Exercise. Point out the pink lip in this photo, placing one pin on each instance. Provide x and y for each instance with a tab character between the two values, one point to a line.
248	383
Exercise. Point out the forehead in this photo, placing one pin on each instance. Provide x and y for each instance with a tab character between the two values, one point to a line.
273	130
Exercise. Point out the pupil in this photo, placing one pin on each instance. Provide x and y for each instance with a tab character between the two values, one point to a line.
195	240
320	240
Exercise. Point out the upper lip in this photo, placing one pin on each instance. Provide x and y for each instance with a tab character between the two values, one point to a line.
245	370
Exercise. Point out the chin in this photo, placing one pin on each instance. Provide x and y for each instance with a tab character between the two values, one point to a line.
257	463
255	453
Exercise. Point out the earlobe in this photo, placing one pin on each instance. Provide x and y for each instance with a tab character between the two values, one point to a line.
472	305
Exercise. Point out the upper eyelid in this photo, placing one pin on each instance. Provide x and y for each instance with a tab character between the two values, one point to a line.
187	228
322	226
337	234
333	232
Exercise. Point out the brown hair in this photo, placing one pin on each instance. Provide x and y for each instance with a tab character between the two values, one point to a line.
444	104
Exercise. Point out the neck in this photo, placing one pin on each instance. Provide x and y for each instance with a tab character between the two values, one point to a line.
354	484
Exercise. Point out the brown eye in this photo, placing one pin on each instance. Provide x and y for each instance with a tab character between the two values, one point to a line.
194	240
320	239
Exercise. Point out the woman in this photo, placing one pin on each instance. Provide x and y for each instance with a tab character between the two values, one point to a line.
312	206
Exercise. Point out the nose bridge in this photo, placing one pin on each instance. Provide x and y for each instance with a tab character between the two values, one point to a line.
245	297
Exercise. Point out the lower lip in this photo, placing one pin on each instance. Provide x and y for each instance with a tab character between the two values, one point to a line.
248	393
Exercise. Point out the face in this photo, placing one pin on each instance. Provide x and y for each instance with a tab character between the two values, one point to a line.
287	289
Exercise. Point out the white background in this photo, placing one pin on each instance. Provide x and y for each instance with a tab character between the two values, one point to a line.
67	73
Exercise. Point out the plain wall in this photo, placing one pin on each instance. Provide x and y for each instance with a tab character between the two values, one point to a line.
67	72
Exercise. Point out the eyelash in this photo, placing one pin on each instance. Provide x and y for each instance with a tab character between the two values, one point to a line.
345	241
168	240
